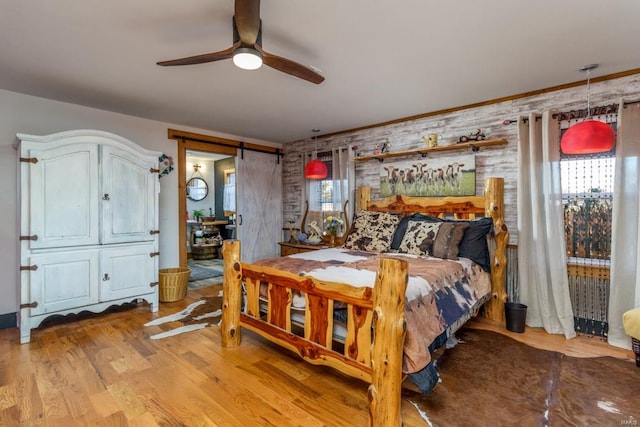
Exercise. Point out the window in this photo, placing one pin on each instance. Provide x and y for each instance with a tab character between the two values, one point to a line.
587	193
323	188
587	196
327	196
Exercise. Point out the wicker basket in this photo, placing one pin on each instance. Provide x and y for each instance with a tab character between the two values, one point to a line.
173	283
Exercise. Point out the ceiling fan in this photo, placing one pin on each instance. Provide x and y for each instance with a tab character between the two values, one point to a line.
246	50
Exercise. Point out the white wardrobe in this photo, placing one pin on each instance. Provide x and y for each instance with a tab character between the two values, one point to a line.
88	224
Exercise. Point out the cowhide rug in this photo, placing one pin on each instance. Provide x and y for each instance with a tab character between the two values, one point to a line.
492	380
198	315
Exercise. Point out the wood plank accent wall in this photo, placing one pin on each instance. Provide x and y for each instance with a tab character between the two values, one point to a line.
500	161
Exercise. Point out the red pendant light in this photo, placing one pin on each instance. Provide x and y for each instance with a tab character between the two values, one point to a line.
589	136
316	169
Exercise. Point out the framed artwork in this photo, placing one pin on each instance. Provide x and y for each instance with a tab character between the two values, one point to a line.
435	177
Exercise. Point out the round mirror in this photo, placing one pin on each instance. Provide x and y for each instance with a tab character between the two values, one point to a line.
197	189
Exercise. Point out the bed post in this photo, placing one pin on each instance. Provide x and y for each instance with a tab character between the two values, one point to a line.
389	325
494	208
364	197
231	294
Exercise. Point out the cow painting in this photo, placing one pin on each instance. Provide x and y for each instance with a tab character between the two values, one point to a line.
432	176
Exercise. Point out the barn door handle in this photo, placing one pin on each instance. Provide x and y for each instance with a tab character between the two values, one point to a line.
105	197
239	219
106	277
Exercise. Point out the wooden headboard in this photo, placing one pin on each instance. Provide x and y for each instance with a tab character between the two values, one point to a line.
491	205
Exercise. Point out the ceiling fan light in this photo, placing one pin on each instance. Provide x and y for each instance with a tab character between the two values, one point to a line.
315	170
588	137
247	58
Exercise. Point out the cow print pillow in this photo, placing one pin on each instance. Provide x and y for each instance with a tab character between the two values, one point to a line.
419	238
371	231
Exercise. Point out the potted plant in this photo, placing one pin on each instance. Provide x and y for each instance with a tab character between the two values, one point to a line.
198	214
334	224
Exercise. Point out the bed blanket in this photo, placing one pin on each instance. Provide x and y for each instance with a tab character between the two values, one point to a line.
439	293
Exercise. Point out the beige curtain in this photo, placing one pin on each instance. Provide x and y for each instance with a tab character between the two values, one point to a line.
625	236
542	262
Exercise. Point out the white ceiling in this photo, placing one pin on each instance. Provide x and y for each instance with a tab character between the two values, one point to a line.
382	59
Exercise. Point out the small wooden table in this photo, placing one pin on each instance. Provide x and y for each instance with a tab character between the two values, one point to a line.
287	248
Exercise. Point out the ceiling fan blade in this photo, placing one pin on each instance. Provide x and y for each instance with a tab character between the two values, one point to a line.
290	67
247	20
201	59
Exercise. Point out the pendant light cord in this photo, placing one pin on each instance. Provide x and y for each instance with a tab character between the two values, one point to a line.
588	93
587	69
315	141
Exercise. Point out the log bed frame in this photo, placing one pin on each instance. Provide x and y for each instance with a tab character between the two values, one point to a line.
373	357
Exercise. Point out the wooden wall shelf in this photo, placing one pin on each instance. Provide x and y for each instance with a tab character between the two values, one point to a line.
473	145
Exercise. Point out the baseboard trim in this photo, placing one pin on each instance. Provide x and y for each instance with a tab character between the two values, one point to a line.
9	320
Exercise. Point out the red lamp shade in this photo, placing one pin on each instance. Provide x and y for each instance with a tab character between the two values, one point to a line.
587	137
315	170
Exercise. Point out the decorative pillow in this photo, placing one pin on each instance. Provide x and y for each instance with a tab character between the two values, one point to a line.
402	227
473	245
371	231
419	237
449	236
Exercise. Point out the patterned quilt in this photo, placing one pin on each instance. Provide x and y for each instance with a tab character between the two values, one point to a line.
441	294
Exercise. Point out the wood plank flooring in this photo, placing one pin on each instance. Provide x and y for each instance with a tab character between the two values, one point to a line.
105	371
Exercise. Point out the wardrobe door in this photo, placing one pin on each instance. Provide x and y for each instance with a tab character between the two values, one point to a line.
126	272
128	197
63	281
62	187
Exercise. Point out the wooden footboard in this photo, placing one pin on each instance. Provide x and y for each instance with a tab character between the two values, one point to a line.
373	357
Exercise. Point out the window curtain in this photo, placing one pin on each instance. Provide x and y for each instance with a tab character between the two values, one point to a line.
229	199
341	174
542	266
311	192
625	236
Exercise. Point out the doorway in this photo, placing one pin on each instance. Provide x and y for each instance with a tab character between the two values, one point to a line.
258	178
201	169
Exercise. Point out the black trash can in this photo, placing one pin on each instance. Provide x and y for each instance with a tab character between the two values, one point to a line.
516	315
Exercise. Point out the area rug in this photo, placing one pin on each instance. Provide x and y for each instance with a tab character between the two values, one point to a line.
200	272
198	315
491	379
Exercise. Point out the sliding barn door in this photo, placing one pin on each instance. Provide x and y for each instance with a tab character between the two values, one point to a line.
259	204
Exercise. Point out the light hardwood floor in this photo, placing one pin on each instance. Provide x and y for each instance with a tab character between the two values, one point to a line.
105	371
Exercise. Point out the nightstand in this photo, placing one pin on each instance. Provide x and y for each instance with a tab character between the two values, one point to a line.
287	248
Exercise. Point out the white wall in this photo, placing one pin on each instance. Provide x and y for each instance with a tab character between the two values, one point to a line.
38	116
